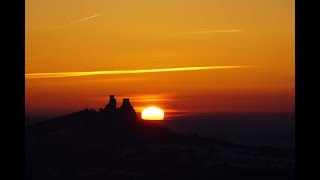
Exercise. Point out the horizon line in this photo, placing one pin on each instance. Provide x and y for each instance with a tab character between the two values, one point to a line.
134	71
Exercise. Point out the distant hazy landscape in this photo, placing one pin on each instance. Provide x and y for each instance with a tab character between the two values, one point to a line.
273	130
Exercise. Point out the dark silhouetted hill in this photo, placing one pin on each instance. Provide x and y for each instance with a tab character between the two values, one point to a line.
113	144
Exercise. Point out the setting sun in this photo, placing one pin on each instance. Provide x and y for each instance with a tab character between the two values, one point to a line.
152	113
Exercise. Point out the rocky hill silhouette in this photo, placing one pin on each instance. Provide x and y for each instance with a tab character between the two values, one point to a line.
113	143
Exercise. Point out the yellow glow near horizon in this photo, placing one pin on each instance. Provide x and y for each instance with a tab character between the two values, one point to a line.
152	113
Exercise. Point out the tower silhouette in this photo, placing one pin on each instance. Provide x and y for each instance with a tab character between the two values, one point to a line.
112	105
126	110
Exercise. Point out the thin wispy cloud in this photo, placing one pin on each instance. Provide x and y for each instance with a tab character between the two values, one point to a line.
206	32
84	19
135	71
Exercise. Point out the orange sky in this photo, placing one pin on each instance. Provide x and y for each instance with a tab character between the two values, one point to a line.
89	36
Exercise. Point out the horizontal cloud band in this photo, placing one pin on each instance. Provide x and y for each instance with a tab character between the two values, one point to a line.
205	32
137	71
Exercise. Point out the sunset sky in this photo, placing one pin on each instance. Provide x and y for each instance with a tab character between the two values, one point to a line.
188	56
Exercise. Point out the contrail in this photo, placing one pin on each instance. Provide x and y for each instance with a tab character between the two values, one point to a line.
136	71
205	32
84	19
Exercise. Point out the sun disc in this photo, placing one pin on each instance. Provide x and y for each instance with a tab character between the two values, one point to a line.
152	113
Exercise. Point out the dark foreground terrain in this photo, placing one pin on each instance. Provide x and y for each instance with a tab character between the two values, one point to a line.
97	145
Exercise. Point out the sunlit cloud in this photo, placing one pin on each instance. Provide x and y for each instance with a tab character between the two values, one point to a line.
136	71
206	32
84	19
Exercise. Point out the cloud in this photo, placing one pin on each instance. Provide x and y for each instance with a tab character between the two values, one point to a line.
135	71
206	32
84	19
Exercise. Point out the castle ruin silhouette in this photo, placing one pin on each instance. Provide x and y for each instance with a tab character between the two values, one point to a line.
125	111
